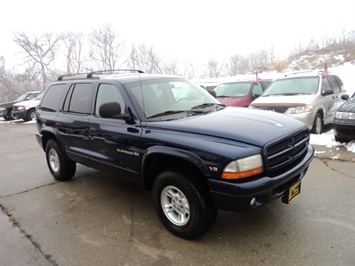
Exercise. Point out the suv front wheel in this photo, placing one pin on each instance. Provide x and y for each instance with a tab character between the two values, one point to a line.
61	168
183	206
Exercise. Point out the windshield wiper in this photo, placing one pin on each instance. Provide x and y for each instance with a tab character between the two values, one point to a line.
283	94
170	112
204	105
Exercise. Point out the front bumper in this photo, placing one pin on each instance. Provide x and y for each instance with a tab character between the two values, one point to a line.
238	196
344	128
306	118
19	114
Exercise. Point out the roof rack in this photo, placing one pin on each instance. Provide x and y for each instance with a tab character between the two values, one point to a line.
112	71
317	72
91	74
67	76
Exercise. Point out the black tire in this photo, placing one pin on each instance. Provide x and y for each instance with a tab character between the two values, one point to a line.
31	115
189	211
317	124
61	168
340	139
9	116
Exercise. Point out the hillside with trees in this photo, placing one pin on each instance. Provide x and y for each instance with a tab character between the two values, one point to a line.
49	55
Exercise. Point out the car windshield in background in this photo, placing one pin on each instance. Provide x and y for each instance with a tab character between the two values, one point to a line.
293	86
22	97
161	97
240	89
39	97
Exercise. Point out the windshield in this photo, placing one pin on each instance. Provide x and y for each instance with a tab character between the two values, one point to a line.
168	96
240	89
293	86
40	96
22	97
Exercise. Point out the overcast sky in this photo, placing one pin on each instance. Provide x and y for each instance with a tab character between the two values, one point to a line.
184	29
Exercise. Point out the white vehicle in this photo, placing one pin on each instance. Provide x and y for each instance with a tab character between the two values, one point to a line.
312	98
26	110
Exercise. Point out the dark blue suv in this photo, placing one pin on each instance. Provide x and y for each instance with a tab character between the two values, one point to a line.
172	136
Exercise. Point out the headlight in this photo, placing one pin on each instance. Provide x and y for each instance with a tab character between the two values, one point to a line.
345	115
243	168
21	107
299	109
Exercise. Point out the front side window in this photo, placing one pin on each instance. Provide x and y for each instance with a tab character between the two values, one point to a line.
257	90
108	93
334	84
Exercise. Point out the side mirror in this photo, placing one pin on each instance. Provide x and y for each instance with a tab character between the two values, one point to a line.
327	92
345	97
112	110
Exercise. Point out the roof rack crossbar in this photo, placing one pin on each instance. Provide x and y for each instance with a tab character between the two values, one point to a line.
62	77
112	71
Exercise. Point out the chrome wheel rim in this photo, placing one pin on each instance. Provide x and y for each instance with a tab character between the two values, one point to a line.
175	205
53	160
33	116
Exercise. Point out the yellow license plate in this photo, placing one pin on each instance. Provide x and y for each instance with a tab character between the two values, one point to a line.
294	191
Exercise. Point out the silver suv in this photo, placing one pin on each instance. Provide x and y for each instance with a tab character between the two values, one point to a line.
311	97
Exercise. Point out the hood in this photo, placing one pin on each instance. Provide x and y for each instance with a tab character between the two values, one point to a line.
28	103
7	104
348	106
280	100
241	101
252	126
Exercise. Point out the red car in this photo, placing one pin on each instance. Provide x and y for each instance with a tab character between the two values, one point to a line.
240	93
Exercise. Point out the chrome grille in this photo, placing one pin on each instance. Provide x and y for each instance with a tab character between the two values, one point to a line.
282	153
277	109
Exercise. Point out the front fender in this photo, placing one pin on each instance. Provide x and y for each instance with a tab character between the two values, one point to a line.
162	153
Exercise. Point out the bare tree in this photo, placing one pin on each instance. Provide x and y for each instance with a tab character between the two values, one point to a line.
40	52
213	69
74	44
145	58
106	48
189	71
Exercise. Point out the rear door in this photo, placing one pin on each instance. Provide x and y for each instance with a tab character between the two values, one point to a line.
73	121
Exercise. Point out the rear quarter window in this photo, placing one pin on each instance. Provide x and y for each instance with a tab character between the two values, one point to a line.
52	97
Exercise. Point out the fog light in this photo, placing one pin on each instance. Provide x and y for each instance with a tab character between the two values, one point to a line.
253	201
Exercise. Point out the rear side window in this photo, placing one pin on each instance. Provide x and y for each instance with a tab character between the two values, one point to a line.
52	98
77	100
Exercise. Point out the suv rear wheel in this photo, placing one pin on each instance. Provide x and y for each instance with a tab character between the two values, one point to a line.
318	124
183	206
61	168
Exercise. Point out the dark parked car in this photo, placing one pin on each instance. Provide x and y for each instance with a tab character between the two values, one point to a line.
173	137
6	108
241	93
344	120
